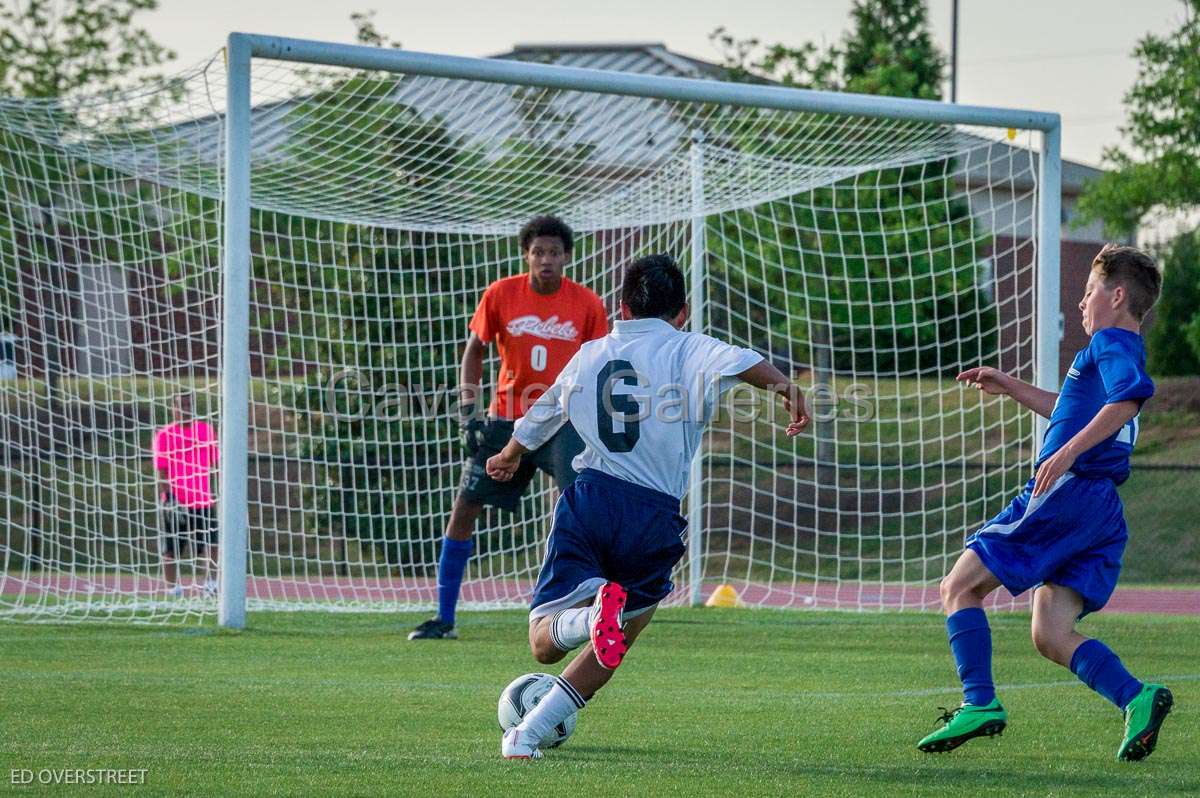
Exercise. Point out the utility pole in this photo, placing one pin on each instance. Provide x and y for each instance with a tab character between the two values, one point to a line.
953	51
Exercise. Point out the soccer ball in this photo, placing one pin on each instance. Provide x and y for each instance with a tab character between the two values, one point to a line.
522	694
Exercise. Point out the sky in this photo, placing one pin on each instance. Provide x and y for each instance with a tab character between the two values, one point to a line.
1069	56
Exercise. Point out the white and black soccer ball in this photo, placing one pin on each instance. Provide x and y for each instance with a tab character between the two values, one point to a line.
522	694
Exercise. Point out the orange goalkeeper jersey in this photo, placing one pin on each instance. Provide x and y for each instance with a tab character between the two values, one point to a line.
536	334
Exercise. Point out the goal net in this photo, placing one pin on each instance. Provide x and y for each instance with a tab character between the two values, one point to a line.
870	258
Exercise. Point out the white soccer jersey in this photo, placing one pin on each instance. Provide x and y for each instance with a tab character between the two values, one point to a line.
639	398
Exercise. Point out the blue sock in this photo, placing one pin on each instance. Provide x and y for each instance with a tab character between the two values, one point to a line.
971	643
451	565
1100	669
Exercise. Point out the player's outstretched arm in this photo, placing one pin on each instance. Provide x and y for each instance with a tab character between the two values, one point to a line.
544	418
470	390
997	383
501	467
764	375
471	372
1103	425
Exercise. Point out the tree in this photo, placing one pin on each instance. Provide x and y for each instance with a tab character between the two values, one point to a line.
888	51
915	317
51	48
366	33
1169	353
1156	172
1158	167
50	51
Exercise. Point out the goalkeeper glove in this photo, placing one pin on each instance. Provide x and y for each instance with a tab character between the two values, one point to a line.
470	428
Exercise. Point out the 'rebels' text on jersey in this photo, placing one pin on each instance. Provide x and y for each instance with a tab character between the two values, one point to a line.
535	334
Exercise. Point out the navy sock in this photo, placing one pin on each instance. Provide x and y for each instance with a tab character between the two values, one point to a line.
451	565
1100	669
971	643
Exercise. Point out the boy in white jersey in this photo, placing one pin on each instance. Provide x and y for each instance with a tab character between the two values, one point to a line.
639	398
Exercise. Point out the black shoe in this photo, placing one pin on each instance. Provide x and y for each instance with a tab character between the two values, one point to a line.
433	629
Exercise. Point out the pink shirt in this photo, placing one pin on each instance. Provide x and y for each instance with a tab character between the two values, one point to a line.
187	453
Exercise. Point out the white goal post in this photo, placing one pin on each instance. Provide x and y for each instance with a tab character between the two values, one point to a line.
241	49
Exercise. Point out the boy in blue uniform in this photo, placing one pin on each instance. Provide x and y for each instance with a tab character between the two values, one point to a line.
1065	533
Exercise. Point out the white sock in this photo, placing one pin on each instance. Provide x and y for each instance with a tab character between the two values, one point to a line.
561	701
570	629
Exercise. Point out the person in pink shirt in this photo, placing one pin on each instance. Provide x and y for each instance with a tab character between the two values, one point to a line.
185	455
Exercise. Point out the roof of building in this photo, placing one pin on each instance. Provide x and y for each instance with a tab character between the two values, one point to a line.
653	58
624	137
643	58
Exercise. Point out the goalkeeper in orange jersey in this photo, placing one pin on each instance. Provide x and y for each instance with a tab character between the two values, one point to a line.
537	320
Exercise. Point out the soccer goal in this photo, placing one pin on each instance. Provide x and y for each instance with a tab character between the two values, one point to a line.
296	235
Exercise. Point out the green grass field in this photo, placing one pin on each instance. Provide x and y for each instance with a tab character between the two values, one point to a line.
710	702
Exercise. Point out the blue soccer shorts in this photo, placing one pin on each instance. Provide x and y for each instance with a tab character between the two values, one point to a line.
609	530
1073	535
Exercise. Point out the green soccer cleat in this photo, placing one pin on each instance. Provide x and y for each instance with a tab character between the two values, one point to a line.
964	723
1144	716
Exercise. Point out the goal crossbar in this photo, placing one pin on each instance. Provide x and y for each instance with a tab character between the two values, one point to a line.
662	88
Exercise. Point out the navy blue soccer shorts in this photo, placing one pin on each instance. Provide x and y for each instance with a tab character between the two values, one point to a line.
1073	535
609	530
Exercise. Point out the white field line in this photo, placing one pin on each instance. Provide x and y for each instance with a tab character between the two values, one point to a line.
931	691
404	686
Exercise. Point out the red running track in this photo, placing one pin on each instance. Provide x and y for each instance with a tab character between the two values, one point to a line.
383	591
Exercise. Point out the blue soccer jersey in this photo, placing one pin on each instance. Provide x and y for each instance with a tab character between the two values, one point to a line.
1111	369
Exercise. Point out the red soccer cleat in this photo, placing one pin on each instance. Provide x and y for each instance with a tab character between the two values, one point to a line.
608	635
